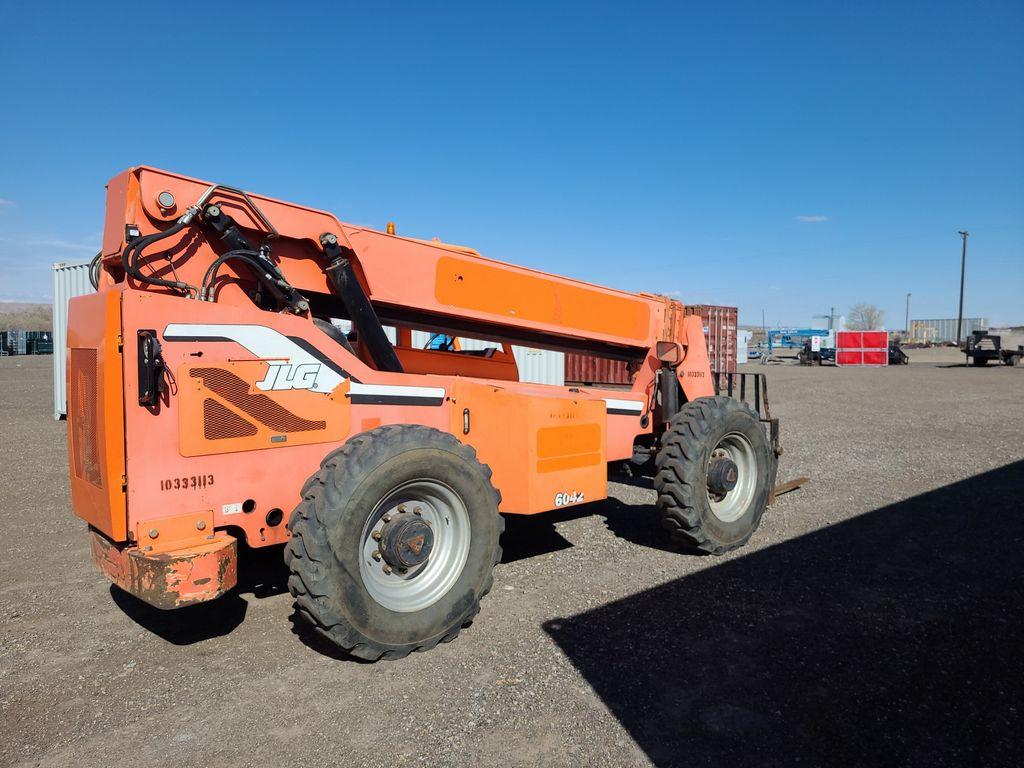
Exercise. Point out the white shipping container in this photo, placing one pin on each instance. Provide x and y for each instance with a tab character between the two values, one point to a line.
540	366
944	330
537	366
742	345
69	280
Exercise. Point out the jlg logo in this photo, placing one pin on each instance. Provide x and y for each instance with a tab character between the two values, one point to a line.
287	376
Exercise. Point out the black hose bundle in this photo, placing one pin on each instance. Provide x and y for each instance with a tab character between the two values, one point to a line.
265	271
261	269
94	271
133	251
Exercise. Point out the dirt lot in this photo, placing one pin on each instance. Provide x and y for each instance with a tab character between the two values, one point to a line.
877	616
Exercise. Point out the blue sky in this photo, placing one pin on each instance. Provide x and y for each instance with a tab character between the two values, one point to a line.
784	157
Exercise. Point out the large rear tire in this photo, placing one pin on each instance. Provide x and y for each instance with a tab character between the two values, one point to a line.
708	439
394	542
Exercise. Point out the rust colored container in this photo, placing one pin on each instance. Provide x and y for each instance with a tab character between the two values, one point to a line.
719	332
587	369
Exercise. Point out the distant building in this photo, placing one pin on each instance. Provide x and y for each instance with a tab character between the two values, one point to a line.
940	331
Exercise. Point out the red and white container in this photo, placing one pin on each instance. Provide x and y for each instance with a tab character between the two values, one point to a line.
719	333
862	348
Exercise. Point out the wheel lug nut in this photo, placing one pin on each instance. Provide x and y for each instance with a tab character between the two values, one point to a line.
386	518
417	510
387	569
375	535
376	554
401	507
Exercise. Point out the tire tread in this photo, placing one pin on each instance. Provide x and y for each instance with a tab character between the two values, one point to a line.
678	479
308	548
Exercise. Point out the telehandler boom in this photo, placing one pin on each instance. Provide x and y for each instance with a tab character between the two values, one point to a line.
211	400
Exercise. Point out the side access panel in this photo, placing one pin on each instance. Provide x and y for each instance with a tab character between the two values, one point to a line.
96	412
545	452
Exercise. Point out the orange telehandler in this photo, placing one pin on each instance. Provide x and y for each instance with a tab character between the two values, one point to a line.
210	399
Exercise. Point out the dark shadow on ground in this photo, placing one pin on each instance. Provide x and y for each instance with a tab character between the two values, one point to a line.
894	638
184	626
310	638
529	536
261	572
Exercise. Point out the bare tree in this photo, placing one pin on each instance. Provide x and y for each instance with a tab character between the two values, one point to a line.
864	317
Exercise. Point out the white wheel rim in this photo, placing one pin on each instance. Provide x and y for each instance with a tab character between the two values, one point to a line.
733	505
424	585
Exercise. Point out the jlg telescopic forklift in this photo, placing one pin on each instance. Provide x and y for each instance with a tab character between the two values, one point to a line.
210	399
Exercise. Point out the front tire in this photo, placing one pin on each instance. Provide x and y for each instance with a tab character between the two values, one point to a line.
394	542
697	509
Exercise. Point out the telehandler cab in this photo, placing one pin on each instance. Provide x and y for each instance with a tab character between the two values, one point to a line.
210	399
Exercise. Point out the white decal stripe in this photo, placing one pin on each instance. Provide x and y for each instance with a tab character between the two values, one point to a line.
268	344
265	343
624	405
391	390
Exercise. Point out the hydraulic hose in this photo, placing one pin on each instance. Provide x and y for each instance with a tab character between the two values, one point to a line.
132	252
94	271
253	260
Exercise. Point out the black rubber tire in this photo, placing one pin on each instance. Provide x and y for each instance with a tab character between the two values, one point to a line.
327	526
979	361
681	479
1012	360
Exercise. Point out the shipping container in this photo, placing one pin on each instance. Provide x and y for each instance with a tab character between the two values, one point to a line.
720	325
719	333
944	331
743	345
588	369
15	342
69	280
538	366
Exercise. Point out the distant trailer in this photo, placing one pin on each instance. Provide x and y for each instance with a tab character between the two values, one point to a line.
864	348
982	347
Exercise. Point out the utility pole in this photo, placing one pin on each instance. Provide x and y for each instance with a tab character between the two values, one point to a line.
906	329
831	317
963	268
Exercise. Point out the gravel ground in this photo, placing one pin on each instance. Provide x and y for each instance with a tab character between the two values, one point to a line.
876	617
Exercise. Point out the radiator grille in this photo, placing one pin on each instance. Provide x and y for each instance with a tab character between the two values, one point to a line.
220	423
262	408
83	416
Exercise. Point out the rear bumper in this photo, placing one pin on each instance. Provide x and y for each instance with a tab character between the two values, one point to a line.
169	579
